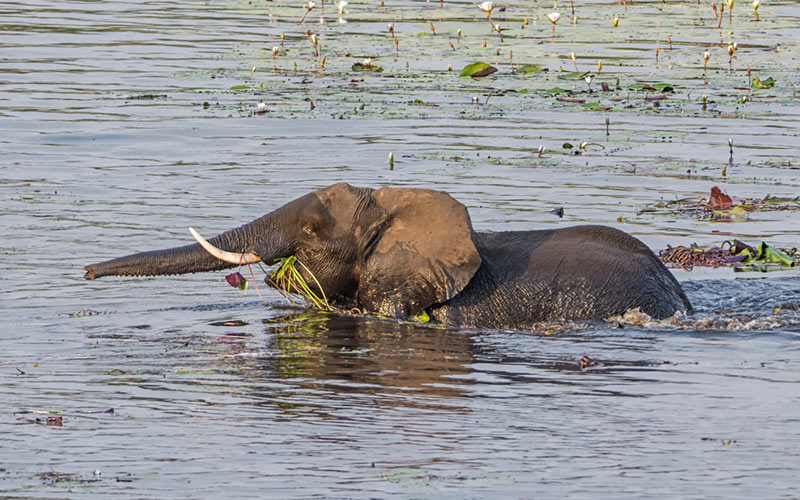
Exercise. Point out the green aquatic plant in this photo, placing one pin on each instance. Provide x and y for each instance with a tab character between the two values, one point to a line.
289	281
478	69
757	83
366	65
530	68
736	254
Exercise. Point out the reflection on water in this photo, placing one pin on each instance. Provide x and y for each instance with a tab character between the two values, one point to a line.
369	355
123	123
239	397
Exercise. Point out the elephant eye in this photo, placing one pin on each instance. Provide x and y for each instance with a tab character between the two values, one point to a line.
308	229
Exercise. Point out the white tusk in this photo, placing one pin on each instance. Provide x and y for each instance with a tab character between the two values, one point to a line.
232	257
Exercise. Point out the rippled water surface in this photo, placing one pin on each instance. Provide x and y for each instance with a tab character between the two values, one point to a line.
123	123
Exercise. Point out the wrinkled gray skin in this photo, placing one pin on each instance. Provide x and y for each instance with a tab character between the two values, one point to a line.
397	252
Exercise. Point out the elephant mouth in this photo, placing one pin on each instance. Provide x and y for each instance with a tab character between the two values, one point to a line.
231	257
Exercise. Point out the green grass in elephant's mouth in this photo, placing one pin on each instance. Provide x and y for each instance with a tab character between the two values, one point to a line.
289	280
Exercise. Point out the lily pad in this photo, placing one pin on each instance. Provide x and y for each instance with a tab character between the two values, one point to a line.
772	254
366	67
477	70
555	91
572	75
765	84
530	68
652	87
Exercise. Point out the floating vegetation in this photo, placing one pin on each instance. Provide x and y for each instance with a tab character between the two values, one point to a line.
236	280
530	68
721	207
653	87
736	254
366	65
289	281
478	69
765	84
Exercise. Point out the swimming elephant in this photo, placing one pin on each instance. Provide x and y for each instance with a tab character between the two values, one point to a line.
399	251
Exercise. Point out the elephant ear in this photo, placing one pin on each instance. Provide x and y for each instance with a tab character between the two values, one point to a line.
418	254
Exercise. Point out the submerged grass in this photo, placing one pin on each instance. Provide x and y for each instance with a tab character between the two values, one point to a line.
289	281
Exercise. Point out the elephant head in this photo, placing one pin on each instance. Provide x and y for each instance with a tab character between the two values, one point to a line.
391	251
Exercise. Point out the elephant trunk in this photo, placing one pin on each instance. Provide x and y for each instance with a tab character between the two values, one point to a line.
257	239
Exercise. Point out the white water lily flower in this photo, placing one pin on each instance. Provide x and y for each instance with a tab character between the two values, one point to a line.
486	7
341	5
367	62
310	5
261	107
554	17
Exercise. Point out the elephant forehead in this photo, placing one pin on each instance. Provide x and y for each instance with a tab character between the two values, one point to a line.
342	201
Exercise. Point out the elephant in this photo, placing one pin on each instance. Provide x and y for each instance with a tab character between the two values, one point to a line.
399	252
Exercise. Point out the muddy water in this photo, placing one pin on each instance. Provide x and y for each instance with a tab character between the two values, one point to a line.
123	123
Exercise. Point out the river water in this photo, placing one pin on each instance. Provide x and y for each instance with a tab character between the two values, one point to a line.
123	123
